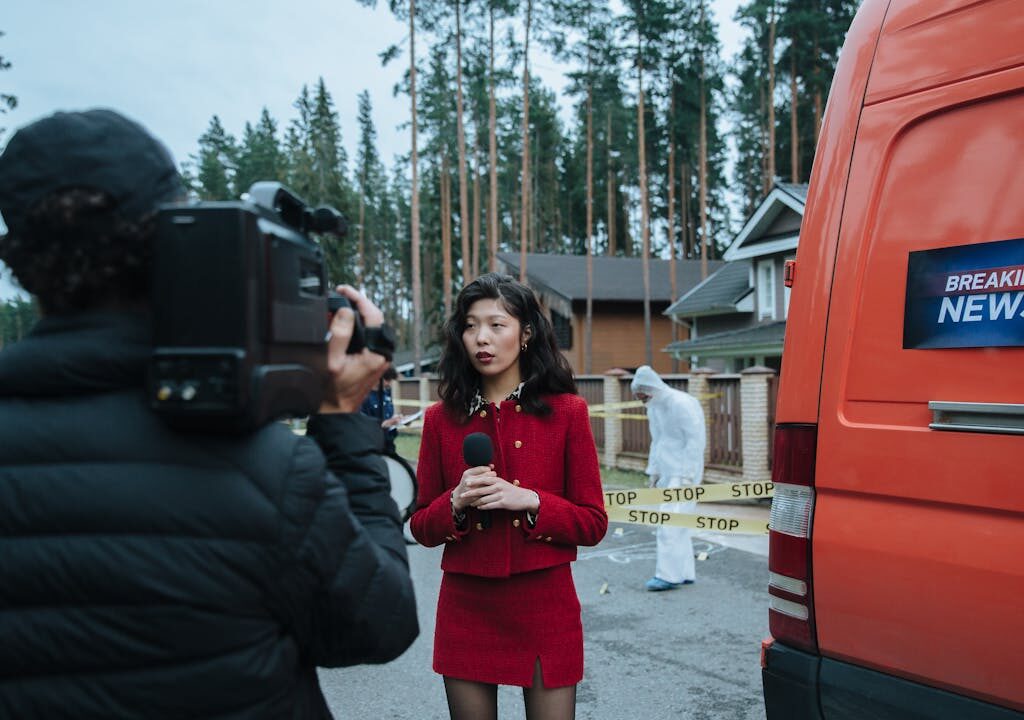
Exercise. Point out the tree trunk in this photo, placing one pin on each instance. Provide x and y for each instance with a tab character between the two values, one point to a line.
672	225
524	180
461	138
684	208
704	240
492	214
446	234
588	347
818	111
361	248
672	214
766	178
610	187
645	260
771	94
417	286
476	216
794	136
817	91
514	216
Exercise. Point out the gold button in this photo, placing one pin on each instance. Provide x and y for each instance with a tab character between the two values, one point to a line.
483	413
515	523
548	539
519	443
479	526
519	408
515	482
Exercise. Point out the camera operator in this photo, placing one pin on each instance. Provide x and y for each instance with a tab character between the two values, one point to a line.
146	572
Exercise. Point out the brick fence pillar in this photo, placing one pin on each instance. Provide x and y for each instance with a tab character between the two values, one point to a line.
424	392
698	386
612	425
754	423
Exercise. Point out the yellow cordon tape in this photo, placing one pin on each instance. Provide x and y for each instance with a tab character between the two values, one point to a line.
718	492
621	506
658	518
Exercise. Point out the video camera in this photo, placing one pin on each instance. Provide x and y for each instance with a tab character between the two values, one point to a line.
240	310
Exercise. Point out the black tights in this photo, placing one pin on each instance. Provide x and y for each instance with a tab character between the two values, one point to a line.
468	700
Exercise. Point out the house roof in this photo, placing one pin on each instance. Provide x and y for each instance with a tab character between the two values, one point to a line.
404	362
754	239
764	339
718	294
798	191
615	278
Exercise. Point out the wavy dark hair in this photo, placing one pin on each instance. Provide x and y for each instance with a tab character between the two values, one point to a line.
75	252
543	367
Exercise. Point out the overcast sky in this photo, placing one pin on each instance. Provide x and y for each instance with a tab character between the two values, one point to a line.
172	66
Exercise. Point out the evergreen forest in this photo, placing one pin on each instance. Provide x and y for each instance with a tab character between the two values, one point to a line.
669	146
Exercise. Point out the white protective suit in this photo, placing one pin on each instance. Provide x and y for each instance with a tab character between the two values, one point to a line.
678	436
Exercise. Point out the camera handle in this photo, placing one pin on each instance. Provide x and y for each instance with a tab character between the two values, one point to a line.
380	340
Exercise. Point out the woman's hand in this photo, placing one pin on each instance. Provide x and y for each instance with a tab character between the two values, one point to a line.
487	491
465	493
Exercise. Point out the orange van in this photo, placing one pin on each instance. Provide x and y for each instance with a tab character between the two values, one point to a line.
897	530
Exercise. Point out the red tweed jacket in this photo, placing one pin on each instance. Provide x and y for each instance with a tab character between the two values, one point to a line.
553	455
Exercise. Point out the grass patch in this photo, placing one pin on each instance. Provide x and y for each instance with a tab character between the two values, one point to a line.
408	446
618	479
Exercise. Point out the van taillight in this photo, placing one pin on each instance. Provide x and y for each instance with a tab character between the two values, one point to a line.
791	606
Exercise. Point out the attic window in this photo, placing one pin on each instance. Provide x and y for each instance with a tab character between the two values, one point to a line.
563	330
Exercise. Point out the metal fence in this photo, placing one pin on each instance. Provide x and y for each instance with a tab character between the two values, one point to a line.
725	446
723	417
591	388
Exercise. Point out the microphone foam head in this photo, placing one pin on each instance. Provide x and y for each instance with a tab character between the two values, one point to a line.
477	449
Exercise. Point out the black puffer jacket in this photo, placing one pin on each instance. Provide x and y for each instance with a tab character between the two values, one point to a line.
150	574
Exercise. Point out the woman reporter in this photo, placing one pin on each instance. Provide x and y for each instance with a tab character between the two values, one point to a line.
508	613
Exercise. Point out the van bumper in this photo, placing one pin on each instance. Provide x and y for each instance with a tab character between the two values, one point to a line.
801	686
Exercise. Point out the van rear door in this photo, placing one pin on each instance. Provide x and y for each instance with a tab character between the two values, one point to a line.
918	535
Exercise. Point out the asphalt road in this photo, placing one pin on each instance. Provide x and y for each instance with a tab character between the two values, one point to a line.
687	654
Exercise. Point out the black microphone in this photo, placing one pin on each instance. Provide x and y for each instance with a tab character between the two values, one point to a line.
477	450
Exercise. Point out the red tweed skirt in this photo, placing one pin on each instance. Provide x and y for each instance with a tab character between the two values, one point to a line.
493	630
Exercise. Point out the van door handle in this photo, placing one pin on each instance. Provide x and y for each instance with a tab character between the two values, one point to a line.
1004	418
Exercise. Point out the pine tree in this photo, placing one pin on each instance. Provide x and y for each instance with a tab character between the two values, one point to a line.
298	147
592	19
7	102
17	317
524	178
260	156
316	171
216	163
752	105
369	177
330	184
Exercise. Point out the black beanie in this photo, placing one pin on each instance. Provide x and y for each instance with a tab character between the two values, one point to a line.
94	149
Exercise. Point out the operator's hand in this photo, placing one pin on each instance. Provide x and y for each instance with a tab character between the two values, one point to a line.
392	421
487	491
351	377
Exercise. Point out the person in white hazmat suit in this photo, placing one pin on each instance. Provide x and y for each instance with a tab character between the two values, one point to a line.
678	436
